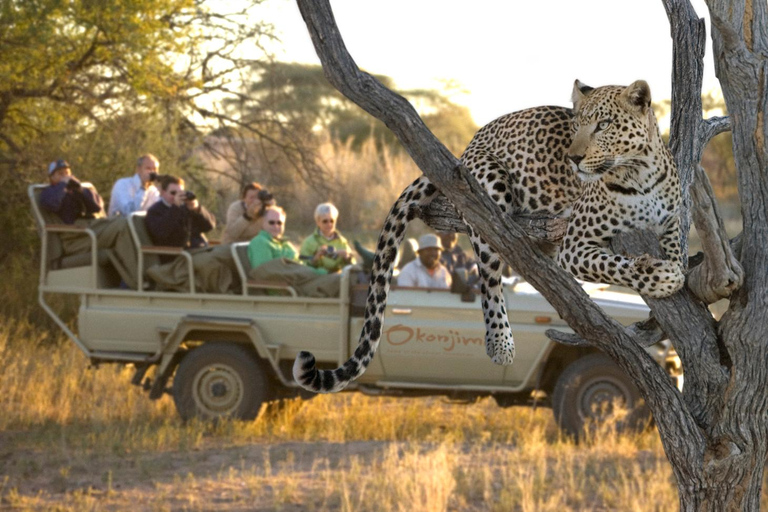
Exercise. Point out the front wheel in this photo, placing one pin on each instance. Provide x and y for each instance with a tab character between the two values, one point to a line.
589	393
220	380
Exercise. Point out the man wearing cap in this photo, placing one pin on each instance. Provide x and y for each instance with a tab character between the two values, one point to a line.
136	193
67	198
75	203
426	271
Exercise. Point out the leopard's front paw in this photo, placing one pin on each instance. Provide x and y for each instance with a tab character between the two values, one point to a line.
657	278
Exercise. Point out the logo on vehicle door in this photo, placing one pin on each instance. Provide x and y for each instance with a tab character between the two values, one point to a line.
399	334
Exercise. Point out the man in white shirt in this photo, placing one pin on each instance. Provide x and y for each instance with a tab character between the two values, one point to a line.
426	271
137	193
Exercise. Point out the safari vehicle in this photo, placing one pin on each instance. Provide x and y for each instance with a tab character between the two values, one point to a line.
227	354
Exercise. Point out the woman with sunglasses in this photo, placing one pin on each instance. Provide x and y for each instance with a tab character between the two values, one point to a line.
326	248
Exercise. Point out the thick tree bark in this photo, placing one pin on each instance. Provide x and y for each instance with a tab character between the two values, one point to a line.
712	434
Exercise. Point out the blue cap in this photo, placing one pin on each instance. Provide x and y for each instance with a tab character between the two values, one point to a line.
58	164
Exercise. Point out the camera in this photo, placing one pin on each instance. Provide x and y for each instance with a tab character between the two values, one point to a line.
265	196
72	185
152	177
190	195
330	252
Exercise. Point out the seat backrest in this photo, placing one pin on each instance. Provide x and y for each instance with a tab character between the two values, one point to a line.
242	255
43	217
140	234
138	222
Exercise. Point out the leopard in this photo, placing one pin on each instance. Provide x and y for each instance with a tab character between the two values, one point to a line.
602	165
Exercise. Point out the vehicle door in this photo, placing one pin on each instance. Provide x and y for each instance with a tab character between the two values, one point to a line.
431	336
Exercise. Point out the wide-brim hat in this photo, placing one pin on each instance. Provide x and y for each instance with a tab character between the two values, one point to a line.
427	241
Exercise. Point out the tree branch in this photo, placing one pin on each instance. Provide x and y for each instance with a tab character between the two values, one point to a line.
721	274
504	235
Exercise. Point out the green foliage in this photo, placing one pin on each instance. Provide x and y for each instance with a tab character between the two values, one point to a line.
101	83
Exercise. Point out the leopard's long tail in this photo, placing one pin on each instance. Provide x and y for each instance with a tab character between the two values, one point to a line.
419	193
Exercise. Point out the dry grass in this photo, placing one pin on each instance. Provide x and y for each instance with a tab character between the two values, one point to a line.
72	438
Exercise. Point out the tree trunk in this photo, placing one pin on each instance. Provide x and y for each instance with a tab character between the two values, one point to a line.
714	434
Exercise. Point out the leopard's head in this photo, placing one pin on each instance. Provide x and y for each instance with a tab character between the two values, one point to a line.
613	126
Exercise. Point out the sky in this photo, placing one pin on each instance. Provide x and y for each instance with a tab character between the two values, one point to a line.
504	54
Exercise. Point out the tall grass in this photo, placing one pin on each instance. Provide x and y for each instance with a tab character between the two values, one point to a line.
76	438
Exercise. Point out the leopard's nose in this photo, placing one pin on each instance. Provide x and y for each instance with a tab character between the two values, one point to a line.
576	159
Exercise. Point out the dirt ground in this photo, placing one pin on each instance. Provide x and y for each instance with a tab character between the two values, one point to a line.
286	476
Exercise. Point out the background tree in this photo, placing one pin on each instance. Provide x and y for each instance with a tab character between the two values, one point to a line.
714	433
299	95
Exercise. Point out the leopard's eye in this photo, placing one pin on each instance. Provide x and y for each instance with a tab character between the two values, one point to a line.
602	125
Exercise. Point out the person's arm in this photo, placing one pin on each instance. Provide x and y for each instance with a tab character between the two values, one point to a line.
120	199
203	220
92	200
346	247
407	276
237	223
307	252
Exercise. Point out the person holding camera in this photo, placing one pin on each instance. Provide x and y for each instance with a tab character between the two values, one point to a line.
178	219
326	248
273	258
67	197
80	204
244	215
137	193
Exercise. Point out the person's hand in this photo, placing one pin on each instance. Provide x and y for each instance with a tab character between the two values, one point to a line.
72	184
343	255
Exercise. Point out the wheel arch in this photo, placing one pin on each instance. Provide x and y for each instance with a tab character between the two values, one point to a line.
207	329
557	361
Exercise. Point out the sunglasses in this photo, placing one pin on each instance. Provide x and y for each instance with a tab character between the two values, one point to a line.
275	222
174	192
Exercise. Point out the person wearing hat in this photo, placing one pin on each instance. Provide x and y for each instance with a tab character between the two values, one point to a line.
426	271
67	198
136	193
80	204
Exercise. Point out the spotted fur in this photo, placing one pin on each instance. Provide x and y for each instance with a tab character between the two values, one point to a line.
603	164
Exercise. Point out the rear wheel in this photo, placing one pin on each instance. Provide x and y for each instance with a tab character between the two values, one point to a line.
589	393
220	380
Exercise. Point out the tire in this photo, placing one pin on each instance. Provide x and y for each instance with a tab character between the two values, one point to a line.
586	392
220	380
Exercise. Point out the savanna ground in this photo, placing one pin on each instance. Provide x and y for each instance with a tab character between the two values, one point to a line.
74	438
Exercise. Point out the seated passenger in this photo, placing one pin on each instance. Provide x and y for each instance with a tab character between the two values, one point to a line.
174	219
82	205
244	216
453	257
67	198
426	271
326	248
137	193
274	259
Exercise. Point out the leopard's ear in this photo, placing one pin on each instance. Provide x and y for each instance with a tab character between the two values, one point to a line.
638	96
580	91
